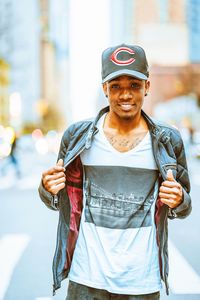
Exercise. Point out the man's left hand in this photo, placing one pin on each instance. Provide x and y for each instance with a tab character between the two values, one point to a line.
171	191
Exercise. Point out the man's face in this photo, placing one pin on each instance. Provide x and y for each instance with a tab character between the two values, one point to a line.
126	95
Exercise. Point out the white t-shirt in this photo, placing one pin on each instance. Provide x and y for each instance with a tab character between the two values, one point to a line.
116	248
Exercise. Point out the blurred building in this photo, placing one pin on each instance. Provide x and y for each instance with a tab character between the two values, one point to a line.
53	63
90	34
157	24
33	47
4	93
19	47
121	21
169	32
193	17
5	32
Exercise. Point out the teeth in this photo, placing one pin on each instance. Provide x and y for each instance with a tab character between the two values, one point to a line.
126	105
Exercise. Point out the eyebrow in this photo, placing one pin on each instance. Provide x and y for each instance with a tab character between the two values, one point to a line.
131	80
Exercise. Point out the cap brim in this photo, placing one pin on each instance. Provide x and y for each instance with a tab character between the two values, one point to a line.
118	73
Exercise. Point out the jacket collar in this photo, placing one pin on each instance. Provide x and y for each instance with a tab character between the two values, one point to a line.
152	126
154	129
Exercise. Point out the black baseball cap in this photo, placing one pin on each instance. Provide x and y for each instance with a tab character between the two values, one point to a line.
124	60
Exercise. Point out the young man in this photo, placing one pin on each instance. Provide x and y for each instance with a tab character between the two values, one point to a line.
117	180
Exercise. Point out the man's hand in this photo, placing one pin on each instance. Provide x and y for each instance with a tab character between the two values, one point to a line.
54	179
170	191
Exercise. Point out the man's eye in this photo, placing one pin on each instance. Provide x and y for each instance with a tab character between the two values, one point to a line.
115	86
135	86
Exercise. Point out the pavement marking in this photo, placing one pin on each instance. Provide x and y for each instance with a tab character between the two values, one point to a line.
12	247
183	279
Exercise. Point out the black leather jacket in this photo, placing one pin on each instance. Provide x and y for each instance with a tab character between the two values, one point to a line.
169	153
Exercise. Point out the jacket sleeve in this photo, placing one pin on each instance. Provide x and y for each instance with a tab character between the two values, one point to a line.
183	209
51	201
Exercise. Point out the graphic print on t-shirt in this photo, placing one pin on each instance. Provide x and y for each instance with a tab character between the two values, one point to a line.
119	197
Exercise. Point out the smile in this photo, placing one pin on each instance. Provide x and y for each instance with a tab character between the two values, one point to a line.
126	106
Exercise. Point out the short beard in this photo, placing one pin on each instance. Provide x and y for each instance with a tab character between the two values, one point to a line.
127	117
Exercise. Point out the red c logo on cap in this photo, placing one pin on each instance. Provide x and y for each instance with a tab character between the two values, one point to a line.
116	61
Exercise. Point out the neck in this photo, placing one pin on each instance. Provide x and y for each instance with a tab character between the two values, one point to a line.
123	125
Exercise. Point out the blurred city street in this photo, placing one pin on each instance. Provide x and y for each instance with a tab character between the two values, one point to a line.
28	235
50	77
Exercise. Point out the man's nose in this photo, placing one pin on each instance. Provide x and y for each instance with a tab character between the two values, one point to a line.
125	94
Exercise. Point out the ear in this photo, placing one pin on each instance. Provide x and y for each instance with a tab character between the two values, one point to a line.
147	86
104	85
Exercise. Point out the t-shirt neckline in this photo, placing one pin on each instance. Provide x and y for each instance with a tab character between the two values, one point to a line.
138	146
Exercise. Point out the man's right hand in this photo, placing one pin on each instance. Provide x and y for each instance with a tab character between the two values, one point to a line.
54	179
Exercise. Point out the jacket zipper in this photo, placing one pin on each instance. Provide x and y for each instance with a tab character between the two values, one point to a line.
164	177
55	284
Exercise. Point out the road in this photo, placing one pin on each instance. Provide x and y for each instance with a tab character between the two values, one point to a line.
28	234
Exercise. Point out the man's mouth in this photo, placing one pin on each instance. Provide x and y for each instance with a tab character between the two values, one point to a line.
126	106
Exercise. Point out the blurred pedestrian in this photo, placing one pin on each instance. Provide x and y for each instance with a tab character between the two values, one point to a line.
117	180
12	160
